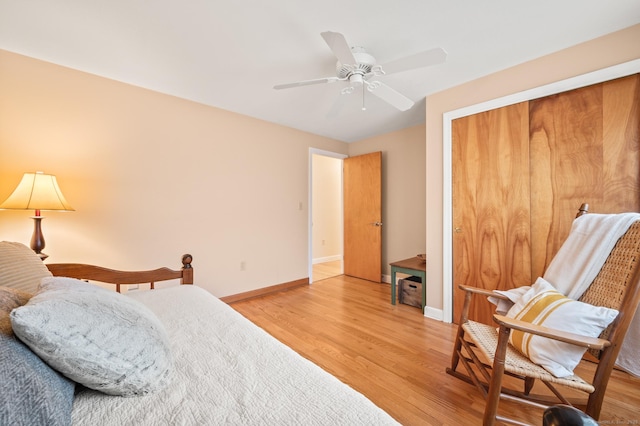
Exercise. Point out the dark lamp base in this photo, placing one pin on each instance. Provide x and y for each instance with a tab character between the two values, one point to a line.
37	239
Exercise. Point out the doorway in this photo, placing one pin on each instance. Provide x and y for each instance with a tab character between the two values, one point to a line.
326	238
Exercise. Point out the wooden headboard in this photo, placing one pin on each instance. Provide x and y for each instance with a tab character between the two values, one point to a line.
118	278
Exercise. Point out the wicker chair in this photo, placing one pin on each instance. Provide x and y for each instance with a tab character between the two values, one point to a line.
487	355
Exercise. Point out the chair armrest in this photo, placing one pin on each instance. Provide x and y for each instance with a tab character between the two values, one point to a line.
482	291
562	336
469	292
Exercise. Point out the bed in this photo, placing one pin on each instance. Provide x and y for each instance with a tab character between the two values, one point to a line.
222	368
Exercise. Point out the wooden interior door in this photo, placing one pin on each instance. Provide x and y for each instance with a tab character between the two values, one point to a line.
363	216
491	240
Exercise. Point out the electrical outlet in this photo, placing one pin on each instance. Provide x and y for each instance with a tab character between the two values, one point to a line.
243	265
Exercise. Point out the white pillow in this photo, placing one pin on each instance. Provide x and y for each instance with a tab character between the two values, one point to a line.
96	337
543	305
20	267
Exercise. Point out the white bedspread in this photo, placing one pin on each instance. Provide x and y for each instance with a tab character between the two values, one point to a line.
228	372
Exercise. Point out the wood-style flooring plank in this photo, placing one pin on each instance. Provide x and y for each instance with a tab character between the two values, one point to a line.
324	270
394	355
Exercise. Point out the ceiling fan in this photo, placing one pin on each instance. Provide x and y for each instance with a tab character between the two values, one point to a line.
358	68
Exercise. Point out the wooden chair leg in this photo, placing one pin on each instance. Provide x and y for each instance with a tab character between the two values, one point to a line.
495	387
594	403
455	358
528	384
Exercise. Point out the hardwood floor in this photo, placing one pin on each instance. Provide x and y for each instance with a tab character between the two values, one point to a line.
394	355
324	270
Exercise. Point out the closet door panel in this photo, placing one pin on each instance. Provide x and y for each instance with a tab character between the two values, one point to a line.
491	240
566	147
621	131
585	147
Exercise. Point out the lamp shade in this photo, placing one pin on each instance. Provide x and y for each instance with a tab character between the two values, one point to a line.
37	191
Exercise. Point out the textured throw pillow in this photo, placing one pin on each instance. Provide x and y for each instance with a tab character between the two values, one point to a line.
31	392
20	267
96	337
544	305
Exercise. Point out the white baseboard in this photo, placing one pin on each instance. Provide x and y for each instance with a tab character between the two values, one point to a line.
433	313
327	259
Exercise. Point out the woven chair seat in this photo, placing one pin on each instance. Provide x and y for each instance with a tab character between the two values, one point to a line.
485	337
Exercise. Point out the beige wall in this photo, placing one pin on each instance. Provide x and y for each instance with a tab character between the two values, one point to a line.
403	191
596	54
152	177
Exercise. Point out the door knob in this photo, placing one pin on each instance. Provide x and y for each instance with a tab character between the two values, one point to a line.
458	230
377	223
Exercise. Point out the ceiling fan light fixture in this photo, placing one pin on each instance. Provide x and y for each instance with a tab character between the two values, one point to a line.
356	80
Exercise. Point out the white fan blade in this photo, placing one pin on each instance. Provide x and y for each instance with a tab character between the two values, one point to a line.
389	95
419	60
339	46
307	82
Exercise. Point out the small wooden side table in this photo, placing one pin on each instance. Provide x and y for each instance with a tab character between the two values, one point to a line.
411	266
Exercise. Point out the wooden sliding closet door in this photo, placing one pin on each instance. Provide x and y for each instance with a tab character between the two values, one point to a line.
520	173
621	133
566	158
491	240
584	147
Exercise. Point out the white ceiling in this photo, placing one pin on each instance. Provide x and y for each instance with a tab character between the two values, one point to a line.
229	54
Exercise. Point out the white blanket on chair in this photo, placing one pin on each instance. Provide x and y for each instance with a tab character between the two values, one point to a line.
585	250
579	260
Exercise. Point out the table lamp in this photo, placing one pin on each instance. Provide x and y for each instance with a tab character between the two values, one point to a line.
37	191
